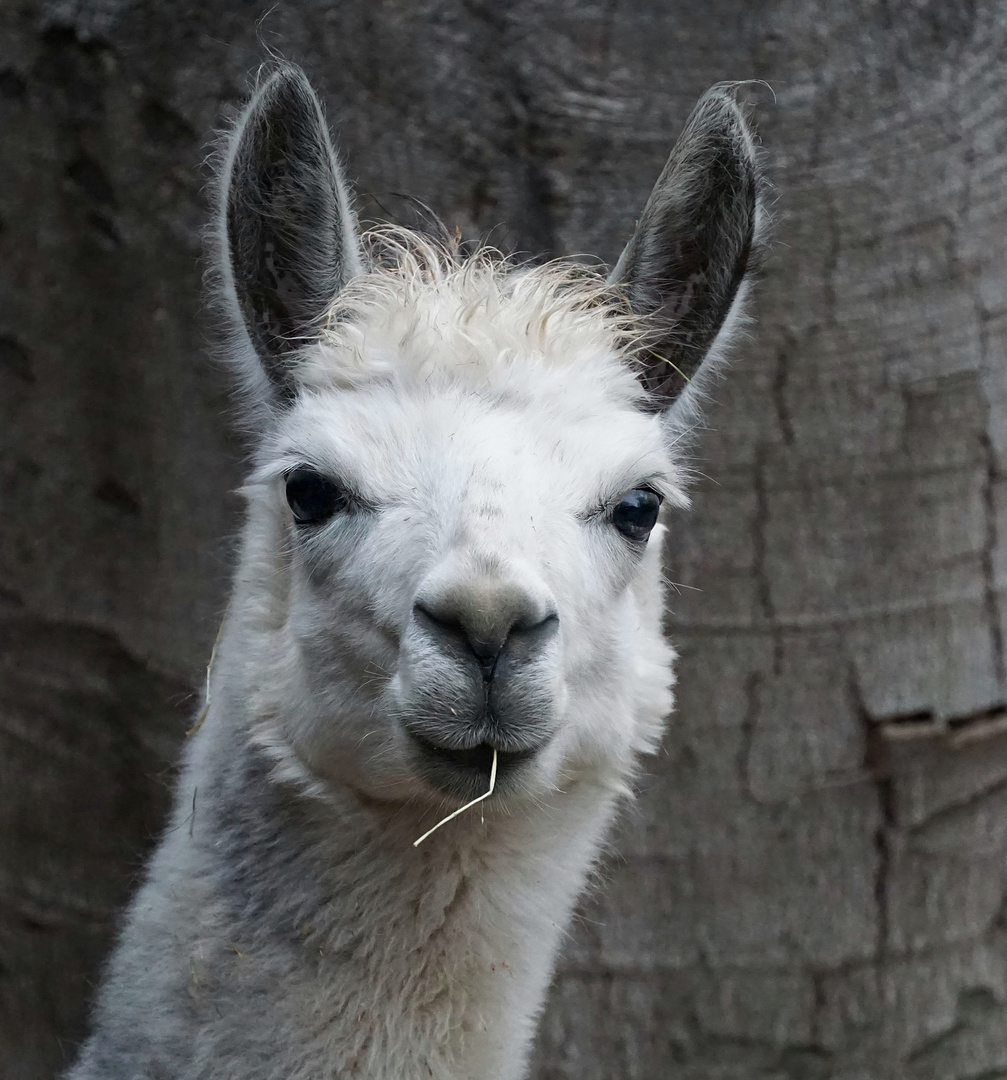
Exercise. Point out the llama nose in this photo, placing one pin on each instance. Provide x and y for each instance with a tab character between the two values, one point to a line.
485	620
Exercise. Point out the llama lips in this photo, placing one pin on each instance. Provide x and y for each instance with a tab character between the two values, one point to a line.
461	771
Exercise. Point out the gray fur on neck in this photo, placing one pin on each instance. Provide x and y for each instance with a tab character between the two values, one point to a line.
280	935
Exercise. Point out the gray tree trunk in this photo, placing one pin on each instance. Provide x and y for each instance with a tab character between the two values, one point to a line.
812	884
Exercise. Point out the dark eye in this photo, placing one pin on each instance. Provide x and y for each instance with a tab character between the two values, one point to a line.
313	498
635	514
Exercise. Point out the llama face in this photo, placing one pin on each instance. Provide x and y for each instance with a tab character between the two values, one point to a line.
470	563
462	464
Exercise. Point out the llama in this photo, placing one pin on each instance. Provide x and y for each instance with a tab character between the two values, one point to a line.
451	566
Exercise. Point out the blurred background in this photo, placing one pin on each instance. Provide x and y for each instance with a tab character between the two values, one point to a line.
812	883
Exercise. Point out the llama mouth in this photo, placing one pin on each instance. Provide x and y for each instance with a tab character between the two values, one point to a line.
445	766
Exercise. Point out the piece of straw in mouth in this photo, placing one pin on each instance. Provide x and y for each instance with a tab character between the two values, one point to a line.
467	806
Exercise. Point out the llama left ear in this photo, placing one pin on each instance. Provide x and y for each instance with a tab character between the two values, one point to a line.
288	229
697	238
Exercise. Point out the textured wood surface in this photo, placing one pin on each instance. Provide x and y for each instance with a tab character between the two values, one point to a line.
812	883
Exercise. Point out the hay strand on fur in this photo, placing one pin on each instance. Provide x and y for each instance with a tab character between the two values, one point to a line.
467	806
209	671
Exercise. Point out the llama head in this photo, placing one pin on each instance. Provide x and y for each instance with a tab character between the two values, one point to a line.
454	537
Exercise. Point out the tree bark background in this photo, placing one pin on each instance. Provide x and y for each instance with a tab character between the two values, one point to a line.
812	884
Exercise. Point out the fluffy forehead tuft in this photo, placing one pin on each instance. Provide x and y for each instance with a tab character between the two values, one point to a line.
426	307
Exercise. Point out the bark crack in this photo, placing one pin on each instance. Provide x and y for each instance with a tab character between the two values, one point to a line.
763	587
749	720
877	765
831	268
781	377
991	537
974	799
990	544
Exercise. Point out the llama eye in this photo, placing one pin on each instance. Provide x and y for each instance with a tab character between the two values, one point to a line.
635	515
313	498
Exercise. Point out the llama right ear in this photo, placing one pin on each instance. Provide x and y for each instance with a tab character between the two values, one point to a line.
684	267
288	230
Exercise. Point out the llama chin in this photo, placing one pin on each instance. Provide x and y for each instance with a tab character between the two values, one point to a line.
449	587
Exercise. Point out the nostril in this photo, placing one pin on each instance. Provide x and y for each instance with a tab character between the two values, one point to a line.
537	626
529	635
438	619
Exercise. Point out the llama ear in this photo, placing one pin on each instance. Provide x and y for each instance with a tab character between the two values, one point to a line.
288	228
685	264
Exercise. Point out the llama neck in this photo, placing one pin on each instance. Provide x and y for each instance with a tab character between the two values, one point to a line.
393	960
429	961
